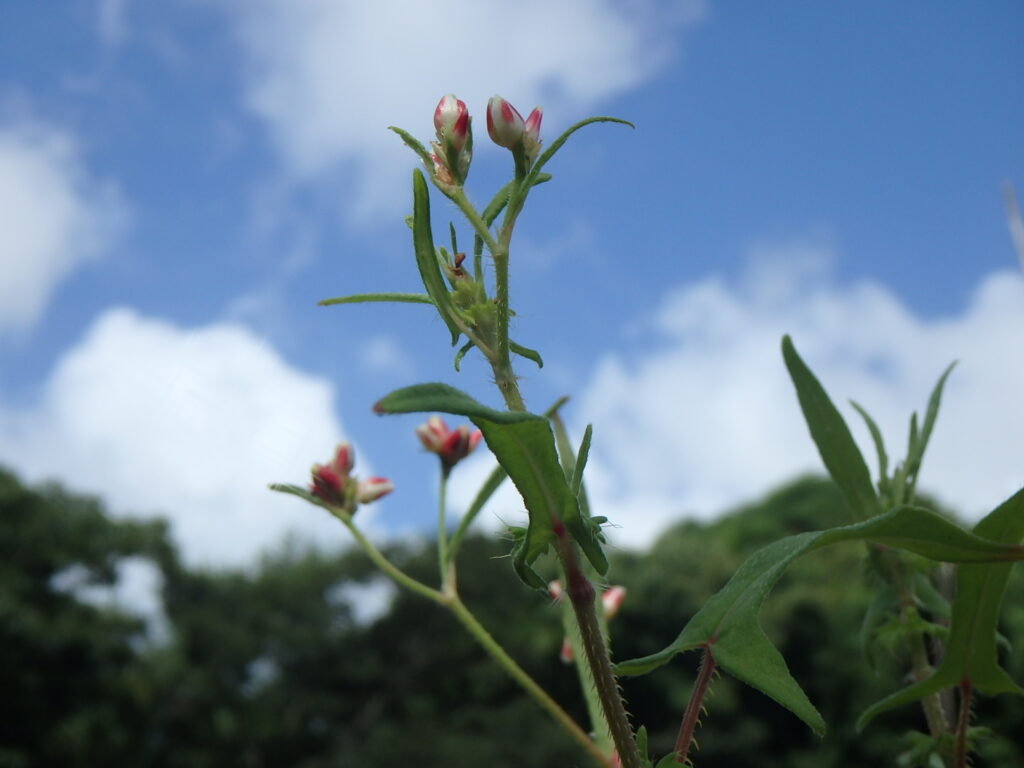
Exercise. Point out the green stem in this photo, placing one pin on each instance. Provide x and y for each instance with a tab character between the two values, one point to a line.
442	527
527	683
921	667
479	225
397	575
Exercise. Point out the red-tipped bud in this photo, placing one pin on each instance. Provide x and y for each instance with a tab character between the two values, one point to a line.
451	121
373	488
504	124
565	653
328	485
344	459
531	133
450	445
611	600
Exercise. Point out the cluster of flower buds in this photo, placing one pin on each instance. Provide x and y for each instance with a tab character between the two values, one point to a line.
507	128
453	149
334	484
450	445
611	602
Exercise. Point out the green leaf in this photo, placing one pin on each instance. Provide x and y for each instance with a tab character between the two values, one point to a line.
414	145
529	354
426	255
920	442
835	443
727	624
525	447
462	353
876	436
971	648
359	298
581	460
531	178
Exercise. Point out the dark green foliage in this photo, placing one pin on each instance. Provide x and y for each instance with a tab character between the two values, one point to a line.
268	667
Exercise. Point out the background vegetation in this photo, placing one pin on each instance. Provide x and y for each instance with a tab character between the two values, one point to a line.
273	666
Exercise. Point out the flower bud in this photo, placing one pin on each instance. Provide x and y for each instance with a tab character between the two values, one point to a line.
450	445
504	124
531	133
451	121
373	488
611	601
328	485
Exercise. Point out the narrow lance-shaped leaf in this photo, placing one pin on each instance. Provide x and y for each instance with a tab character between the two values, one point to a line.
531	178
838	451
361	298
970	652
876	437
916	455
426	256
413	143
529	354
524	445
728	621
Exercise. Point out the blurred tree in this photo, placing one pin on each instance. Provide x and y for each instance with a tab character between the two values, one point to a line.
308	659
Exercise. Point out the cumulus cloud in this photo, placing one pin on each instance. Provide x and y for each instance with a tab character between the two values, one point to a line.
191	424
702	414
53	217
327	78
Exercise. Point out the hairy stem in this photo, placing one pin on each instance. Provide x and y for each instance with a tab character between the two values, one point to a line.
963	721
527	683
581	593
693	707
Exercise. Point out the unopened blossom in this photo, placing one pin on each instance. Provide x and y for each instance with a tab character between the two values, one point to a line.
505	125
611	600
451	121
450	445
531	133
372	489
334	484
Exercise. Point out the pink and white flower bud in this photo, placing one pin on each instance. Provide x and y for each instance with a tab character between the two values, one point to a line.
373	488
450	445
531	133
451	121
504	124
611	600
328	485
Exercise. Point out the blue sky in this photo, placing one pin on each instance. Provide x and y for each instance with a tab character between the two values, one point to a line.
180	182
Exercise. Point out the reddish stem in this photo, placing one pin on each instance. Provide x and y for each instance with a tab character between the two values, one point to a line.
962	722
692	715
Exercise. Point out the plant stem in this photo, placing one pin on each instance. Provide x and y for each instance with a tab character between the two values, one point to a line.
397	575
527	683
442	527
963	721
581	593
921	667
693	707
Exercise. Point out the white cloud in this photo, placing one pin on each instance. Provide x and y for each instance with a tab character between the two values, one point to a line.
53	217
111	21
383	354
703	416
191	424
328	77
